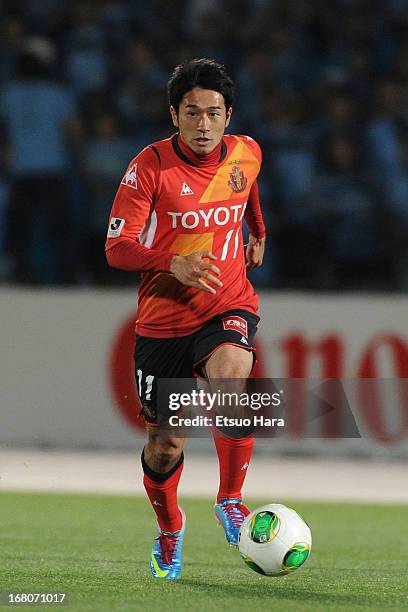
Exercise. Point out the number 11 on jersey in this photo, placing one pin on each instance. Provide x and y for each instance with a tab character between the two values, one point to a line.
227	243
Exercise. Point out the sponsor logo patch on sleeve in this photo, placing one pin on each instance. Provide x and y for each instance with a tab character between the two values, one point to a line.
237	324
115	227
130	178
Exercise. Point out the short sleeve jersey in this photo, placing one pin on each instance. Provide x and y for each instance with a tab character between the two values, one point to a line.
171	205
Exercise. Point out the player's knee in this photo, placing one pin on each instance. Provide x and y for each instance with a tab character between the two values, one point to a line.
229	362
229	370
165	452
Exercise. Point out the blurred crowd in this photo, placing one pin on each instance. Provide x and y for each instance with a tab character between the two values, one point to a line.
322	86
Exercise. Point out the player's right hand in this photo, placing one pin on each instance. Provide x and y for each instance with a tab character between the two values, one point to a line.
196	270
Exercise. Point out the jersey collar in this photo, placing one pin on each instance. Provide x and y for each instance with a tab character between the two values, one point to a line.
194	160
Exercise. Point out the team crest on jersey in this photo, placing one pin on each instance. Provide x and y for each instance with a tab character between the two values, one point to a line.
238	181
236	324
130	178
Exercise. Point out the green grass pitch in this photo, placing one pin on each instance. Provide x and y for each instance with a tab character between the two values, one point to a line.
96	548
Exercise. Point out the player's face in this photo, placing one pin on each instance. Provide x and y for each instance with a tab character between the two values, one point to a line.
202	119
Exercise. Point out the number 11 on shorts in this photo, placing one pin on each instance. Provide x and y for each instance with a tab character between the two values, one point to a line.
149	384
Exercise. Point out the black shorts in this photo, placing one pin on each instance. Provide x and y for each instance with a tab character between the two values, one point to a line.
184	357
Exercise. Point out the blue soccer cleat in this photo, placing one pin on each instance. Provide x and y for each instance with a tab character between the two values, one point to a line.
166	559
231	513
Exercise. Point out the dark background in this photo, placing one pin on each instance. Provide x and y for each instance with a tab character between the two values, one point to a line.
322	86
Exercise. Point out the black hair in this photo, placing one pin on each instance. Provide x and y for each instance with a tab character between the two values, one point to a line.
29	66
203	73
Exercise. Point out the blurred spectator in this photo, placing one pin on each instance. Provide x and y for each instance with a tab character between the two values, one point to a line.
288	148
395	217
4	196
86	57
340	112
106	155
197	11
35	110
342	217
383	128
142	72
12	32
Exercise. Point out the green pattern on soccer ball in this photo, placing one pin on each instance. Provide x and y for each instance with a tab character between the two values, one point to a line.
296	556
251	563
264	526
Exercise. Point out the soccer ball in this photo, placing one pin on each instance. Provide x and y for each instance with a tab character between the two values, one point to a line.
274	540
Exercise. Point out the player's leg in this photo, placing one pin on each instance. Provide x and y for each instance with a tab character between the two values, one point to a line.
162	456
162	462
234	454
225	347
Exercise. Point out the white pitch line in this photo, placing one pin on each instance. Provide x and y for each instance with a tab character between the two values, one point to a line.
273	478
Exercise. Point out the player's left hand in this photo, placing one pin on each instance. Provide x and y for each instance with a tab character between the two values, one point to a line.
254	252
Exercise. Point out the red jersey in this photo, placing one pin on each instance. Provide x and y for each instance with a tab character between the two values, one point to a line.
173	202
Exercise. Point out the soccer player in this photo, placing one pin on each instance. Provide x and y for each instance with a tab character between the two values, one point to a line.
177	218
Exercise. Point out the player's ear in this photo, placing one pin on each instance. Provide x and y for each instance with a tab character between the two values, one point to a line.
174	117
228	118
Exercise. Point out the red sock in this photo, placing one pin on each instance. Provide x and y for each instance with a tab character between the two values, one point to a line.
162	492
234	455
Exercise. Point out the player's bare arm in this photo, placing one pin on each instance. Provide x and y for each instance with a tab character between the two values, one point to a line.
195	269
255	252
